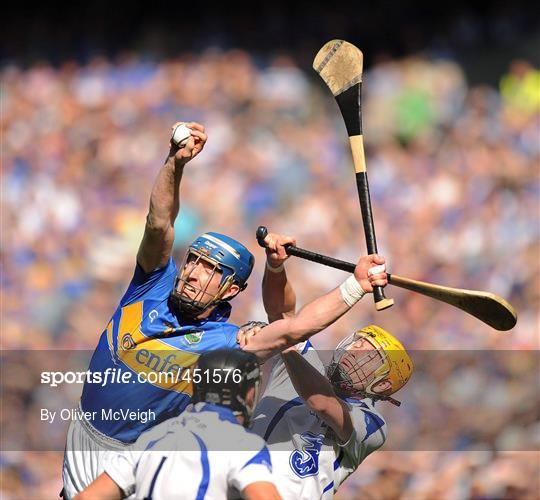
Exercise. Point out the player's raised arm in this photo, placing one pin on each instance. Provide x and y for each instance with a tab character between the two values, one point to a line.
318	393
321	312
279	298
157	242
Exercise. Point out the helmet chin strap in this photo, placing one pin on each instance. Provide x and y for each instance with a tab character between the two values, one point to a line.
376	397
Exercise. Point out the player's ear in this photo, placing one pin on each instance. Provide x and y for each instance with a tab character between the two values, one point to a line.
382	386
233	290
250	397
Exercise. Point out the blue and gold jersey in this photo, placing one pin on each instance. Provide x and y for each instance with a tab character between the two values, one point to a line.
140	367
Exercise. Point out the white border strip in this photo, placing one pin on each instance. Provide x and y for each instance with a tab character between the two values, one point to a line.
223	244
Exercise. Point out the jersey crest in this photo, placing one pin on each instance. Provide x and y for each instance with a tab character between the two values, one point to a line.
194	336
305	462
128	342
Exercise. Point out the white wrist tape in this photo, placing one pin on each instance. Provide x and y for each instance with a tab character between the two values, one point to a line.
376	269
351	291
276	270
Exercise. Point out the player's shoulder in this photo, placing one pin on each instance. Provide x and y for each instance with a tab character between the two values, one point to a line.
156	284
366	407
368	422
220	428
167	428
229	330
213	335
365	404
230	428
249	446
141	276
250	438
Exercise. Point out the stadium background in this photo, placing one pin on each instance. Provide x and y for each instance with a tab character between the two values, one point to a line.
452	104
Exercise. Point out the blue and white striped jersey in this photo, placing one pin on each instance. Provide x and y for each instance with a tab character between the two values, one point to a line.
308	459
204	453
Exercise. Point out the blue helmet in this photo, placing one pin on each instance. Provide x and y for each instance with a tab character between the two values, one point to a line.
228	257
233	258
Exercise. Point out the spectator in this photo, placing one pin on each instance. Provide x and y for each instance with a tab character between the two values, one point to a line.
455	196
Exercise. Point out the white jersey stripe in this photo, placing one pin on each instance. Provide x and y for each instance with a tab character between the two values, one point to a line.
222	243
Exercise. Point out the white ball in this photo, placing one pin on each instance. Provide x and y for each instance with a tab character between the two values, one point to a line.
181	134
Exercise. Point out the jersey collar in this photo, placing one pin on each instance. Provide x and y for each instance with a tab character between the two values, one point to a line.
364	402
221	312
223	413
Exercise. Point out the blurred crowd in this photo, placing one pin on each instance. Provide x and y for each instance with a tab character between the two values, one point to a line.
455	192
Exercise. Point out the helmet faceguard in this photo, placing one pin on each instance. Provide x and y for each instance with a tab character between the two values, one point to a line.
201	299
250	379
225	256
356	371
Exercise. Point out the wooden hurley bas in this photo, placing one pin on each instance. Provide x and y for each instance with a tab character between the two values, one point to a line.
340	64
485	306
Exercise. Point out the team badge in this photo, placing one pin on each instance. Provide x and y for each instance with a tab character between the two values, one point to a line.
194	336
305	462
127	342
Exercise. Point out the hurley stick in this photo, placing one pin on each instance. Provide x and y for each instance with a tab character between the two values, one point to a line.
339	64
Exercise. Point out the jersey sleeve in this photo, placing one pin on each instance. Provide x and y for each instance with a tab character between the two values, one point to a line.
249	467
229	333
369	432
279	383
120	466
156	284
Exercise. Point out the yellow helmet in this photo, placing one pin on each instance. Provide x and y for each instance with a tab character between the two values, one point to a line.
367	372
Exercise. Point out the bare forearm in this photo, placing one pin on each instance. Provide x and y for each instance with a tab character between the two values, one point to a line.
320	313
306	379
311	319
279	298
165	197
318	394
316	316
156	246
